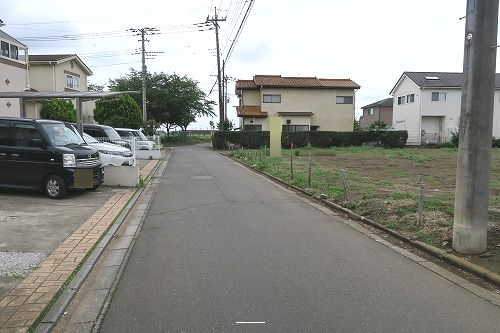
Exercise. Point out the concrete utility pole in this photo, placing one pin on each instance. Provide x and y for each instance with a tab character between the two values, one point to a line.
476	121
143	32
215	21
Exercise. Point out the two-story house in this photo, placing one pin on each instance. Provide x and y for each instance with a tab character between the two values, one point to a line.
380	111
58	73
13	73
303	103
427	105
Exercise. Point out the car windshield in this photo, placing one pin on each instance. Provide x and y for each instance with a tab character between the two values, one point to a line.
111	134
62	135
89	139
141	135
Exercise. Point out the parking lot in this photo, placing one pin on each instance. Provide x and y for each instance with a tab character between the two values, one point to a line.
32	226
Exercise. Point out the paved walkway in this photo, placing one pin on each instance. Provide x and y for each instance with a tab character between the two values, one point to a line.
24	304
225	250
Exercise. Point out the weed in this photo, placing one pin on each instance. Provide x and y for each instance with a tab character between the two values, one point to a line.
142	182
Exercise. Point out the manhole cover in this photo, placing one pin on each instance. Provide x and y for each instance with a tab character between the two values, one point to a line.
8	218
201	177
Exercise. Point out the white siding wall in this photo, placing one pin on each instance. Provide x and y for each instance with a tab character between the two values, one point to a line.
449	109
17	82
407	116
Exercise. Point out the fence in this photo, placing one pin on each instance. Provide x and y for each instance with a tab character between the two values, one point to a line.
405	204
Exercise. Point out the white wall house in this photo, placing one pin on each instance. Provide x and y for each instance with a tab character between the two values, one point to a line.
13	73
303	103
58	73
427	105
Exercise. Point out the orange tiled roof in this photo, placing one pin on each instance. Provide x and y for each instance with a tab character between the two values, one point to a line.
250	111
279	81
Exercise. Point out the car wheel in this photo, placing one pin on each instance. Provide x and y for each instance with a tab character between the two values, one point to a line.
55	187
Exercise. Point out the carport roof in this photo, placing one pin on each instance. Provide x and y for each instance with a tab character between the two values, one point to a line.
83	95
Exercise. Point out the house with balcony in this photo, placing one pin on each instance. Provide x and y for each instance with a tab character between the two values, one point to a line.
303	103
58	73
13	73
380	111
427	105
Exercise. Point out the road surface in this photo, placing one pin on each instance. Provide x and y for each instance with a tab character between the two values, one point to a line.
225	250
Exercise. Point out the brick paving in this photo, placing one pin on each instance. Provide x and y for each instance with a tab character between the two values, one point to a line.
148	168
20	308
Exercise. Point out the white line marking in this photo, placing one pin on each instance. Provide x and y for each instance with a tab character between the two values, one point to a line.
250	322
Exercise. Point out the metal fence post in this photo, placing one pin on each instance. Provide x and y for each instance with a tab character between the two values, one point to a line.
291	159
345	183
309	167
421	198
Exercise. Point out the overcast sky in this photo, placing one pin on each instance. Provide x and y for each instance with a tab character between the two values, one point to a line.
371	42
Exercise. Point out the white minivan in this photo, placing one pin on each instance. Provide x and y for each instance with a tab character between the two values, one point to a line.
110	154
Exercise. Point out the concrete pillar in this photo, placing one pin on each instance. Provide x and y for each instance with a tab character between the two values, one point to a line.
476	121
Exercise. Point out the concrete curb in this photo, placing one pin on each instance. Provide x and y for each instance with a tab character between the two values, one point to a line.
152	189
434	251
64	299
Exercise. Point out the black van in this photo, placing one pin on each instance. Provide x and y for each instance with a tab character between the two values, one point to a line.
44	154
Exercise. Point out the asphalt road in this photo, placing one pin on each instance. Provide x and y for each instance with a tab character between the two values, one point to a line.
221	245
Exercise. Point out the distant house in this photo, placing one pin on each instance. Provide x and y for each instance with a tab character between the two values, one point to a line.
303	103
58	73
379	111
13	73
427	105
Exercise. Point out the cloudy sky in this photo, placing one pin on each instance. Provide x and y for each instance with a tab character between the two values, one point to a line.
371	42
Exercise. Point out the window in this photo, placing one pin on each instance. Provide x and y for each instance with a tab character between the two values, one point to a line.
288	121
314	128
5	134
438	96
345	100
271	98
14	52
401	100
252	127
24	133
410	98
295	128
72	82
370	111
5	49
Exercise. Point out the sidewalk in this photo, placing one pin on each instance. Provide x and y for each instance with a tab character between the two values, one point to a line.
31	298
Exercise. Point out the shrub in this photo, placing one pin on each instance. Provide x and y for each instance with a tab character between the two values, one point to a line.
59	109
257	139
118	112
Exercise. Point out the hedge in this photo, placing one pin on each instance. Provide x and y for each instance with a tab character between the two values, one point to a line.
257	139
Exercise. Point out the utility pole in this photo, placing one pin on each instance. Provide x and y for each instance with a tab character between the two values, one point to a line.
143	32
215	21
476	119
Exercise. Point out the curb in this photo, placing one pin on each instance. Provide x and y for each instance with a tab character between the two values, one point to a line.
64	299
152	189
429	249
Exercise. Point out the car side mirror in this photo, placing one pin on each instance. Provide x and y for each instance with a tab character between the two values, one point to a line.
37	143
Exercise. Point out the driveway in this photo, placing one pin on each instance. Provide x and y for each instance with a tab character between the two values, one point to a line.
32	226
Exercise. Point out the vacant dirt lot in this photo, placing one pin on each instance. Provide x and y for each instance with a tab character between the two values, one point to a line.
383	185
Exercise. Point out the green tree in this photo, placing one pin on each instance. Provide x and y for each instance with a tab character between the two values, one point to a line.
59	109
95	87
377	126
173	100
150	127
356	126
121	112
227	125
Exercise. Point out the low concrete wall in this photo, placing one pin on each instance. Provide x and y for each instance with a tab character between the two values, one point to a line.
154	154
121	176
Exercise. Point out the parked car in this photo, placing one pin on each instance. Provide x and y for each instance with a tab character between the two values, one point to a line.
142	142
109	153
44	154
105	133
